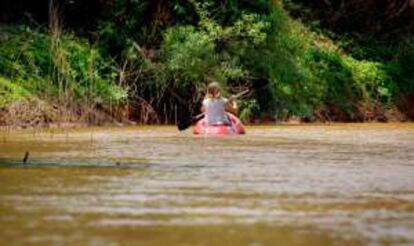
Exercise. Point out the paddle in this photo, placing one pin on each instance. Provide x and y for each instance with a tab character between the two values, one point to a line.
182	125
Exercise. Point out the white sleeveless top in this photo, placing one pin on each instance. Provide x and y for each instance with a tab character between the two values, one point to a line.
215	111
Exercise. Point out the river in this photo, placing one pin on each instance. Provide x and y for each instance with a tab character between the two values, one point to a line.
333	184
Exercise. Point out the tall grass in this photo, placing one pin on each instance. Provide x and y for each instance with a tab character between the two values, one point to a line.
64	71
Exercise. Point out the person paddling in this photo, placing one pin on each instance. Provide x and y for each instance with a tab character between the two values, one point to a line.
215	110
215	106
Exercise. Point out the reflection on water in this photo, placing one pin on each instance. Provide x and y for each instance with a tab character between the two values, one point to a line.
345	184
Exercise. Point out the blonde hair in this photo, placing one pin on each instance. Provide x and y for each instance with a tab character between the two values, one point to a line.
213	90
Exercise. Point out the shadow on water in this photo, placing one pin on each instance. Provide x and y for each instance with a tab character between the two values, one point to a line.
81	163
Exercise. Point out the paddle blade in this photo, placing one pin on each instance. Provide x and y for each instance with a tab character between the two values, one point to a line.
182	125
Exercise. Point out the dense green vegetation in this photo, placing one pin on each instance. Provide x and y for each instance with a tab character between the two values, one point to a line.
149	61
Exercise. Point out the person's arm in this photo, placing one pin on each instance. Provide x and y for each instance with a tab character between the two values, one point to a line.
231	106
203	108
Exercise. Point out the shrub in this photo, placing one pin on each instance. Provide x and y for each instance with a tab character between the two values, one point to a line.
11	92
65	66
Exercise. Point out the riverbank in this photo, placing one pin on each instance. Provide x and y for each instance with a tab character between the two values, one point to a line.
40	114
116	71
14	123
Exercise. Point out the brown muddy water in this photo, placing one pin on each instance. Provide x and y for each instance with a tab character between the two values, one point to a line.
341	184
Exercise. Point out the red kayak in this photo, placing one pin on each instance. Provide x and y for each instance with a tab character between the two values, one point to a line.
235	128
